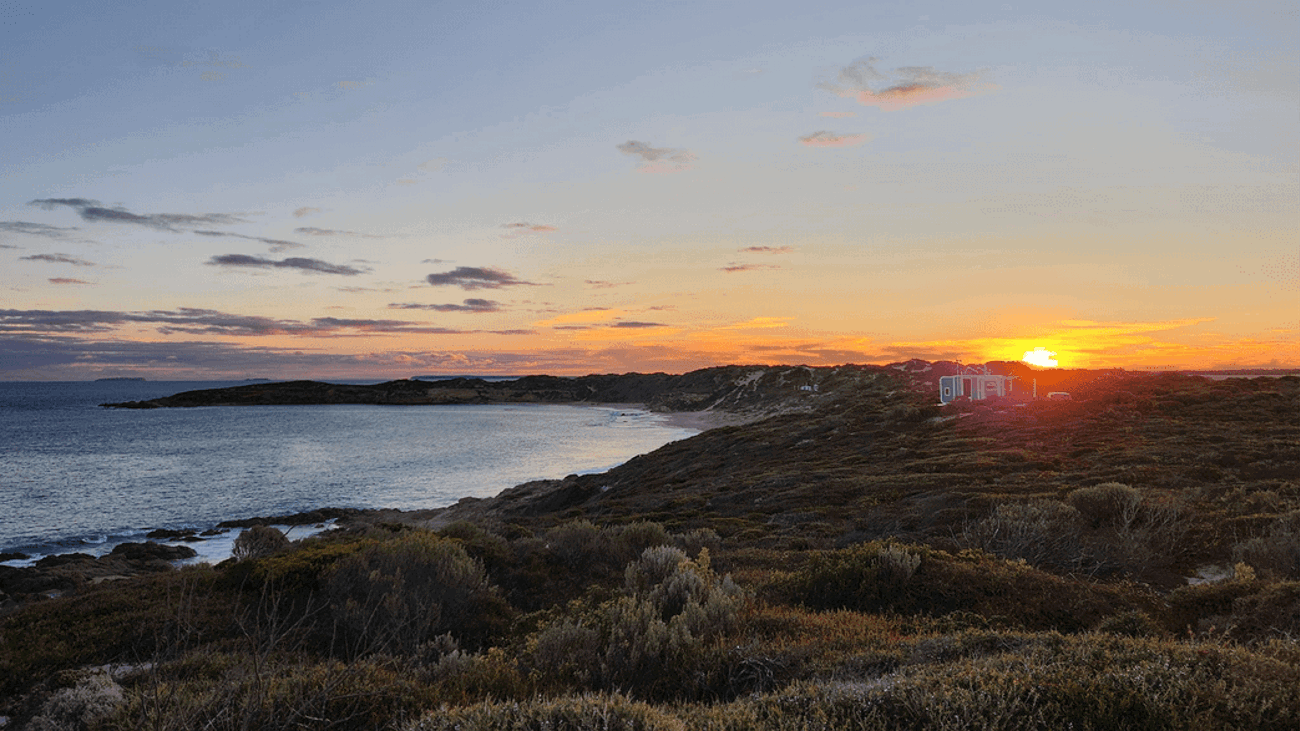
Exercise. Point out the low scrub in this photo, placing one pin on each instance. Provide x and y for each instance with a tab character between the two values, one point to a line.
392	596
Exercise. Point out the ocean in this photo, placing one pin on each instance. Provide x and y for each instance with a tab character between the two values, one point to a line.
77	477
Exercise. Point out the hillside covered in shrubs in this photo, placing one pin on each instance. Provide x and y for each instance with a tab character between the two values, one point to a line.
869	560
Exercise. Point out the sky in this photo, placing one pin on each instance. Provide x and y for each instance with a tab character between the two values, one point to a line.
324	189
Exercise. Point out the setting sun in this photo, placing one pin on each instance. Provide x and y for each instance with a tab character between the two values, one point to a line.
1041	357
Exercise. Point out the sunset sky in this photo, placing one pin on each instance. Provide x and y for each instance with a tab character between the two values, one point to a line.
325	189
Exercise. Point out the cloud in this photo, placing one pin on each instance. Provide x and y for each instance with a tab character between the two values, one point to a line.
635	324
313	231
203	321
353	84
539	227
768	249
759	323
58	259
68	280
824	138
839	115
602	284
469	305
734	267
904	87
92	210
299	263
433	261
475	278
277	245
36	229
433	165
305	211
658	159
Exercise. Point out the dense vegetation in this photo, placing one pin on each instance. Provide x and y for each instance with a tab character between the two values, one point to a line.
872	562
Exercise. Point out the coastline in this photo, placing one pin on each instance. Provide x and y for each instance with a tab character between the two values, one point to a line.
216	541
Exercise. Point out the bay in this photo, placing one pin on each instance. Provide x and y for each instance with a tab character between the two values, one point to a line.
74	475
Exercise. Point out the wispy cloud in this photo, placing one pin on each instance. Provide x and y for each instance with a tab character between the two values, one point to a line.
759	323
313	231
525	226
434	165
658	159
839	115
300	263
469	305
825	138
58	259
277	245
734	267
476	278
602	284
768	249
92	210
904	87
349	85
36	229
193	320
636	324
68	280
305	211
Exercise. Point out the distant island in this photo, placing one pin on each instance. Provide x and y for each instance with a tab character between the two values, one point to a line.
120	378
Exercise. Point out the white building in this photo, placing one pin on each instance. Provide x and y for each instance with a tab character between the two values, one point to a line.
974	385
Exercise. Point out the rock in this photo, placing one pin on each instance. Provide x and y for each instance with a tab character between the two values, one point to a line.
63	559
13	557
151	550
168	535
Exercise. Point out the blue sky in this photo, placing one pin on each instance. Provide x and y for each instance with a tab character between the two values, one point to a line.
315	189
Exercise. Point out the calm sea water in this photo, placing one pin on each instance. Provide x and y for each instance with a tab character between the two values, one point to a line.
74	475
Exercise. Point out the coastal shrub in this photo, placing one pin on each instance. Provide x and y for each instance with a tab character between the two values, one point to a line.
569	713
1104	504
284	694
396	594
866	576
654	639
258	541
1133	623
83	705
461	677
631	539
693	540
1043	533
577	543
1276	554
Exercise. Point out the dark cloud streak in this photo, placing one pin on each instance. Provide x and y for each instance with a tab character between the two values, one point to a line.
36	229
300	263
277	245
93	210
58	259
476	278
469	305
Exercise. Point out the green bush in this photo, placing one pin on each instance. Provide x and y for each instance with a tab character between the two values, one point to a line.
655	639
866	576
1104	504
287	695
258	541
572	713
1276	554
1044	533
394	595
